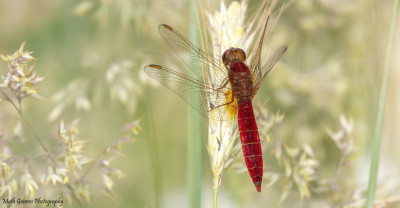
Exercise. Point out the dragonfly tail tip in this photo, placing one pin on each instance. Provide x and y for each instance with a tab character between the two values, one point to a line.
258	187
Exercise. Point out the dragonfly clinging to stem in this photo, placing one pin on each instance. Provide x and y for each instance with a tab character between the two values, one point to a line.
238	85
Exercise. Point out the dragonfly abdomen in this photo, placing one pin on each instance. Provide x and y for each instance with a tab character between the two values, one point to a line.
250	142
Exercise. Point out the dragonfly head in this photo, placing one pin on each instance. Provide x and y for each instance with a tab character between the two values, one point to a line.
233	55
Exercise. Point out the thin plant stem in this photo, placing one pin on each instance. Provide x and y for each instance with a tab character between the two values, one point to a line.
215	197
153	151
194	133
376	143
36	135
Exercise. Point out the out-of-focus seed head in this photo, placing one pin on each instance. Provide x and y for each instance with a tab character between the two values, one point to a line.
20	78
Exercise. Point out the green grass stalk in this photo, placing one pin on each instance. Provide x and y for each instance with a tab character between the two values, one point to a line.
376	143
194	133
153	151
215	197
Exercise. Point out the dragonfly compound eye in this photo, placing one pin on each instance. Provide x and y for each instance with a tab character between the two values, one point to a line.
239	54
225	54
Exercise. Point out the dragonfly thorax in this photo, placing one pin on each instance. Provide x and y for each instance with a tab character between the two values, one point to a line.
241	81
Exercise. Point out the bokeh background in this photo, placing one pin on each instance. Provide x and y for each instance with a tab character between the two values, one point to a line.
326	86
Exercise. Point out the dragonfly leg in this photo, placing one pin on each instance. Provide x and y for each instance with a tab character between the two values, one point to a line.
224	85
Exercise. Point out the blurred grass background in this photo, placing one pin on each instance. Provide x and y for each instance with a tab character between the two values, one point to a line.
332	67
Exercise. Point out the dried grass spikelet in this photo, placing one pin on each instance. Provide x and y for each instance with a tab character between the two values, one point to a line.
8	185
20	78
29	184
73	157
75	94
121	85
344	141
226	30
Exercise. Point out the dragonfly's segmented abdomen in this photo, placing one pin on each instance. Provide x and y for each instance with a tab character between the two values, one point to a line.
250	142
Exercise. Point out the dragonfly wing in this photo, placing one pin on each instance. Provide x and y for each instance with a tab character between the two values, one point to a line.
196	59
255	63
201	97
266	68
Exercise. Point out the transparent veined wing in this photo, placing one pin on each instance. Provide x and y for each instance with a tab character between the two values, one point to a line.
260	73
255	63
200	96
266	68
197	60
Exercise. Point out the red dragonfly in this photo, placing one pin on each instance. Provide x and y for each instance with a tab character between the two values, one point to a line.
238	85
